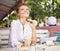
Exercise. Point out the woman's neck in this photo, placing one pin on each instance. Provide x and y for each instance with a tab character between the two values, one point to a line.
22	21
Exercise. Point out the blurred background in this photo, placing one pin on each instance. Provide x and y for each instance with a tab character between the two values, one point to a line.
39	10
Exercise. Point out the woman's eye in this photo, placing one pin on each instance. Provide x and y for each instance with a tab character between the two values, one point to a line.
21	9
27	9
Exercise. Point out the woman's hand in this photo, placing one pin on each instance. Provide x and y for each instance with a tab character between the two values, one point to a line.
31	22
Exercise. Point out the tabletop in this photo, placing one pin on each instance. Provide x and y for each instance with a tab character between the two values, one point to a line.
34	48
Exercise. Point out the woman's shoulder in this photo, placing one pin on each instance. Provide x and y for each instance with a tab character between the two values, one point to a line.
14	22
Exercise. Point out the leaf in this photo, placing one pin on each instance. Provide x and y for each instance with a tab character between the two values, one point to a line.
58	1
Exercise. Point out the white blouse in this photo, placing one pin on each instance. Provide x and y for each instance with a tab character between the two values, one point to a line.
18	32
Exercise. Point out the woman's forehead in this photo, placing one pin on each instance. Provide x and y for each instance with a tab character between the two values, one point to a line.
23	6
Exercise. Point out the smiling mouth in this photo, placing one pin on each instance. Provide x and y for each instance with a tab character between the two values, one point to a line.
24	13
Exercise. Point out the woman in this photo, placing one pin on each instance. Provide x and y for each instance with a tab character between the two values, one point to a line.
22	30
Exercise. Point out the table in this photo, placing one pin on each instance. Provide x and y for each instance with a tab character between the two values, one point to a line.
41	47
49	48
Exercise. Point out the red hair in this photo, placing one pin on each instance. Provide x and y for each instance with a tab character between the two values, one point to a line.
19	5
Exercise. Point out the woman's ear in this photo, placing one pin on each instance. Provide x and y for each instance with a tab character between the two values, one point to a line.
27	18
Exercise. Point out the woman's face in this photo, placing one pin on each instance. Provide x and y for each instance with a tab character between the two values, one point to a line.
23	12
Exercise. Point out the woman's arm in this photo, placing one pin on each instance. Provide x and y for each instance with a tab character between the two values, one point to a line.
32	24
34	39
13	34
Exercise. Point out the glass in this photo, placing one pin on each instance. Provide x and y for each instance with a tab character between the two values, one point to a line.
27	41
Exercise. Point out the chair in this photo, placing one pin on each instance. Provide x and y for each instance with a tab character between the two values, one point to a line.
53	29
4	34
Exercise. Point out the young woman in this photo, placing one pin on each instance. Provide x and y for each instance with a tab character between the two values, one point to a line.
22	30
